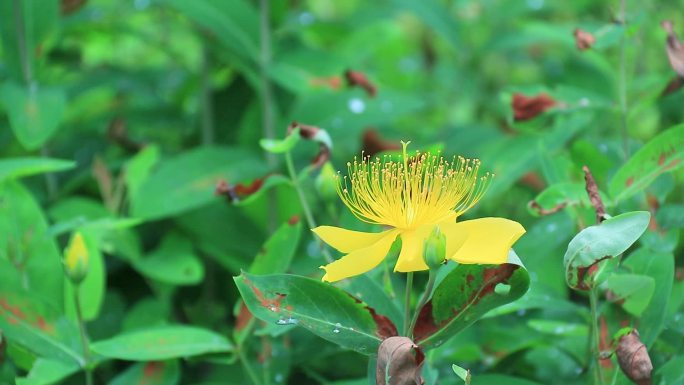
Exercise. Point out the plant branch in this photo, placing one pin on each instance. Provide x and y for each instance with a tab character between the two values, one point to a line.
311	222
595	334
84	337
407	303
622	90
423	300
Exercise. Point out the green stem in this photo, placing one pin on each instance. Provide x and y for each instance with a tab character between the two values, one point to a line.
407	303
248	368
206	99
305	204
84	337
595	335
623	83
423	300
267	110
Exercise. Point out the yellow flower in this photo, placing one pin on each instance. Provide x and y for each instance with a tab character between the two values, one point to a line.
76	258
413	196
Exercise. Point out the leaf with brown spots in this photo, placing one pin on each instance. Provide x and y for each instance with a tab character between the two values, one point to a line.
29	322
465	295
150	373
664	153
324	310
596	243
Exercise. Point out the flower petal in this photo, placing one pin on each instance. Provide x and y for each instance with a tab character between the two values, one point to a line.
488	240
345	240
412	243
360	260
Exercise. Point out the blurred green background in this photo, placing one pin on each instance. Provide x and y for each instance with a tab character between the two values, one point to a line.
133	111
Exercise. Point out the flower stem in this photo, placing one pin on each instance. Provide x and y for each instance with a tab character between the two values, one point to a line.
84	337
623	82
595	335
423	300
305	204
407	303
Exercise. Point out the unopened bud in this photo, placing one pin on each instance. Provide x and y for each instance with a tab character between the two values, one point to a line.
434	250
634	359
76	259
326	182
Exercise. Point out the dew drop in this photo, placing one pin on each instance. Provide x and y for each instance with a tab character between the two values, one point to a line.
356	105
337	328
272	308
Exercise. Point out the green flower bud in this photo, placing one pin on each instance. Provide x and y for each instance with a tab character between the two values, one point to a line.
76	259
326	182
434	249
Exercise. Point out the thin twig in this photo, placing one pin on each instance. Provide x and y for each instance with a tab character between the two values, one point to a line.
594	196
84	337
423	300
407	303
623	81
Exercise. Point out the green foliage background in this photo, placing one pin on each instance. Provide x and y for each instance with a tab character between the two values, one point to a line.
118	118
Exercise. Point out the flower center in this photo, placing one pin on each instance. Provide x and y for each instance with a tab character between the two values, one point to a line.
418	190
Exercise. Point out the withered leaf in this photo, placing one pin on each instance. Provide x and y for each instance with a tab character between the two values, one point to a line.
399	362
634	359
674	47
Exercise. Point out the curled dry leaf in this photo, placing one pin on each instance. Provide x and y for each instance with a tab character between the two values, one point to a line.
594	196
117	132
527	108
240	191
316	134
71	6
674	47
359	79
373	143
399	362
583	39
634	359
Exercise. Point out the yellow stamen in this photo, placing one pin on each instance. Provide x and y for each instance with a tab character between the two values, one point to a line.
419	189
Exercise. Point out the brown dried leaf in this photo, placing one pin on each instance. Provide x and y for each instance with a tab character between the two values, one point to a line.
399	362
674	47
583	39
373	143
526	108
359	79
634	359
316	134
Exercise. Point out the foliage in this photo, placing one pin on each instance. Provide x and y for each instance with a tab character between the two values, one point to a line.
193	144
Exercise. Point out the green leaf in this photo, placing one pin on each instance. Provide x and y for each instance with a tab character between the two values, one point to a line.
279	146
92	289
162	343
269	182
28	321
633	291
29	257
34	22
138	169
661	154
558	196
173	262
276	254
34	113
596	243
661	268
234	24
498	379
465	295
187	181
21	167
559	328
318	307
150	373
671	372
47	372
463	374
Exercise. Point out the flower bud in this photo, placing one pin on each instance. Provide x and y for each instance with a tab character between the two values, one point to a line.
76	259
434	249
326	182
